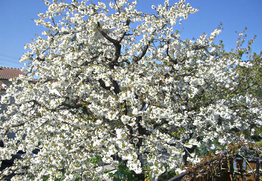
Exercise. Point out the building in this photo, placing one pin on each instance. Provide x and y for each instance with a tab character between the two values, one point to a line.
6	74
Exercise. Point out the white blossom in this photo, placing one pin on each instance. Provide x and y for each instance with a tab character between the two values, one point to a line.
109	82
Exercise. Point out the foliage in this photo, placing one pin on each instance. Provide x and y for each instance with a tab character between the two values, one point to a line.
259	143
123	173
250	78
107	84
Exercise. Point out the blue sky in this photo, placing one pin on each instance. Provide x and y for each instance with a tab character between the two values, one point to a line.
18	28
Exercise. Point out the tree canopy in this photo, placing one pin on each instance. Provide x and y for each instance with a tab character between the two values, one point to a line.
108	84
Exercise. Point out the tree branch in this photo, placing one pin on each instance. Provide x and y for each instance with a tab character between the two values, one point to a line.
116	43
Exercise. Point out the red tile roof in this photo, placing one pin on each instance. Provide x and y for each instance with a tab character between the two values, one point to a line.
8	73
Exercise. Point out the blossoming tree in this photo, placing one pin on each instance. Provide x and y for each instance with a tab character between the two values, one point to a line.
108	84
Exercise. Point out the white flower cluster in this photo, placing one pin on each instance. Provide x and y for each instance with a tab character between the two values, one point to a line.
108	81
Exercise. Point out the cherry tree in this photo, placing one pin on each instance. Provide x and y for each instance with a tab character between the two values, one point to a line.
108	84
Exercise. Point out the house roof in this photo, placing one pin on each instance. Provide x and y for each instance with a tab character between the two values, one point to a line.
8	73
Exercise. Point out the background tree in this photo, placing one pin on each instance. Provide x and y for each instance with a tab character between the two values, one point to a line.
250	78
109	85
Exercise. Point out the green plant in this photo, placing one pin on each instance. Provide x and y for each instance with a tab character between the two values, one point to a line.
123	173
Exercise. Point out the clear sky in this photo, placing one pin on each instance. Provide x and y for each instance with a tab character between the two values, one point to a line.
18	28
